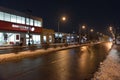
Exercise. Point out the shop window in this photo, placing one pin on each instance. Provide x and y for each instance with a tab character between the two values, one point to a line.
11	37
1	16
50	38
7	17
13	18
36	39
31	22
60	35
44	38
19	20
35	23
27	21
17	37
39	24
56	35
23	20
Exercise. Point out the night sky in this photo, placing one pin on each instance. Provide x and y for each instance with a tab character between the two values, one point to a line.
96	14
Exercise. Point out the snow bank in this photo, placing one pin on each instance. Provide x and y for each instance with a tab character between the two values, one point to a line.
110	68
27	54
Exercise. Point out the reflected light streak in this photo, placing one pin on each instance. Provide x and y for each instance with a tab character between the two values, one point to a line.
64	64
83	48
92	56
109	45
84	57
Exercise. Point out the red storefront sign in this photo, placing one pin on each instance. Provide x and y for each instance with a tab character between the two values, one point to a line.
8	26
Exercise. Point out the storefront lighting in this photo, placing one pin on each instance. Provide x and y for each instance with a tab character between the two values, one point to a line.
68	37
32	29
60	35
72	37
56	34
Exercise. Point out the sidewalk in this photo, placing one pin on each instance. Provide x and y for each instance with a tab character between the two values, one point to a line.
110	68
29	53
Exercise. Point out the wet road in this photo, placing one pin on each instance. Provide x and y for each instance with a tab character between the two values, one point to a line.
71	64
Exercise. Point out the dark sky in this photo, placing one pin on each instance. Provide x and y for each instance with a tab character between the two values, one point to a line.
96	14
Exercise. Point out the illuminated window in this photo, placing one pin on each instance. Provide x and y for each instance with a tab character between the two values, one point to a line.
44	38
39	24
23	20
27	21
7	17
31	22
35	23
60	35
56	34
50	38
1	16
19	20
13	18
36	39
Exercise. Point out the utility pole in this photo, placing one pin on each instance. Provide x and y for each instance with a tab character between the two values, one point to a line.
29	28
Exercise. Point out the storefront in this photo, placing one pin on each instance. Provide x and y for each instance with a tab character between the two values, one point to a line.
17	27
14	35
47	35
65	38
58	37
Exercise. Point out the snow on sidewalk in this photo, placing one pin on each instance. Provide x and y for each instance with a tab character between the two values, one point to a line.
110	68
27	54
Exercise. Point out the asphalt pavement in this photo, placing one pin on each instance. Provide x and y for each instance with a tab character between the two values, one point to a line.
75	62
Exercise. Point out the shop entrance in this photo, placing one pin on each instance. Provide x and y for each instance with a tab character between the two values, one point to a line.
34	39
9	38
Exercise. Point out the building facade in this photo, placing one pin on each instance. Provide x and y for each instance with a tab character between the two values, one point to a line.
65	37
47	36
17	27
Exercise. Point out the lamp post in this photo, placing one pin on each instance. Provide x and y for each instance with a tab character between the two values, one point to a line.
113	32
80	29
92	35
28	12
63	19
29	36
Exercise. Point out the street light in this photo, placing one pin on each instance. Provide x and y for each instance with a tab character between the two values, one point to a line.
83	27
110	28
91	30
113	32
80	29
62	19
